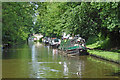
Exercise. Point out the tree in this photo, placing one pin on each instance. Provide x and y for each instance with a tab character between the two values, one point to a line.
17	21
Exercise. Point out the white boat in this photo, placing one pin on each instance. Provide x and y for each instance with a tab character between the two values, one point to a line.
55	42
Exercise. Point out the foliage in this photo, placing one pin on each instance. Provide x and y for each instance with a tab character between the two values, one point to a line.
84	18
53	18
17	21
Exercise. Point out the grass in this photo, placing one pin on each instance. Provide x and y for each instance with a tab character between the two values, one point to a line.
114	56
97	45
94	45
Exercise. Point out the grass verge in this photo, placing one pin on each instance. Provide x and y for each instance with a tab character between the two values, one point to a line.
103	48
107	55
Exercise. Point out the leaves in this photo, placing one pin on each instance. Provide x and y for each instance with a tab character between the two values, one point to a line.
52	19
17	21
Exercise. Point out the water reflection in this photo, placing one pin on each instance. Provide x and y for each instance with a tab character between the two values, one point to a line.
65	68
81	66
42	61
48	49
38	44
55	52
109	68
49	63
35	65
75	66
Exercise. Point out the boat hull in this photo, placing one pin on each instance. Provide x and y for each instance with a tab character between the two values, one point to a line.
77	52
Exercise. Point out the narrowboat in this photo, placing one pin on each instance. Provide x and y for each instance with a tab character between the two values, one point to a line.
75	46
55	42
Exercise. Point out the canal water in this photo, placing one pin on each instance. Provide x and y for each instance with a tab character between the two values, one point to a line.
36	60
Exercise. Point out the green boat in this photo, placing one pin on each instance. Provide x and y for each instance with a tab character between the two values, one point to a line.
74	46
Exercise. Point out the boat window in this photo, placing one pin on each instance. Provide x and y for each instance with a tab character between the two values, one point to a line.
56	40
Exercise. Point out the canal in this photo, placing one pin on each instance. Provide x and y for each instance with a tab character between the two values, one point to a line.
36	60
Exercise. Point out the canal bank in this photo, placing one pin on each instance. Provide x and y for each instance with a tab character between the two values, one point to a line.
105	55
104	49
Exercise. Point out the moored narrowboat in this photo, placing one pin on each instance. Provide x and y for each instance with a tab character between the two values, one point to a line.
75	46
55	42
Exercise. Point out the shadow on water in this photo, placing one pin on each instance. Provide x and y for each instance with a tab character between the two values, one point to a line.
116	67
116	74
